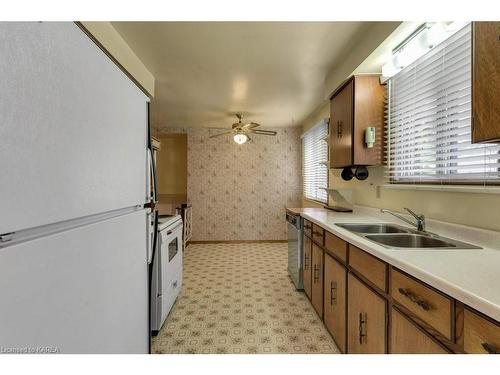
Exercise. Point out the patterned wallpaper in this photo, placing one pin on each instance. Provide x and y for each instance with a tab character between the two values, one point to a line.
240	192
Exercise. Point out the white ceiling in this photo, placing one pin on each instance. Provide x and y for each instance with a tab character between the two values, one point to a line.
273	72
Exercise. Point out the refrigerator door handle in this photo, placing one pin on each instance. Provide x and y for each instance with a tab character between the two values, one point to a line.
150	274
154	193
6	237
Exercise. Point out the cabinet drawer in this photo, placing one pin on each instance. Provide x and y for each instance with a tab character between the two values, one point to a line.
336	246
434	308
368	266
407	338
318	234
480	334
308	228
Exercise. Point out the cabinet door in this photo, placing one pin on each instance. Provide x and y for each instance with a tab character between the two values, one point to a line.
366	319
480	335
317	279
334	300
486	82
406	338
341	121
307	265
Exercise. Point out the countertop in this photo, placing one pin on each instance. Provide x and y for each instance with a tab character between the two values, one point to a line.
303	210
470	276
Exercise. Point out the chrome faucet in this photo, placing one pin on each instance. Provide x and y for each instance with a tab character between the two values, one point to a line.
420	224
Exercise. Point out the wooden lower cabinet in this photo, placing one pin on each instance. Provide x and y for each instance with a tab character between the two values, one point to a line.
356	314
307	265
481	336
334	301
407	338
317	279
366	319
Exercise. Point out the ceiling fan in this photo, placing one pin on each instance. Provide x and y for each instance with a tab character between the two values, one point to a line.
240	131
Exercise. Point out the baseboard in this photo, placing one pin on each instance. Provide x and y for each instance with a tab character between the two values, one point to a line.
238	241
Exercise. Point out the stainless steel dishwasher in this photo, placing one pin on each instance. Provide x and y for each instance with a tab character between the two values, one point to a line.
295	249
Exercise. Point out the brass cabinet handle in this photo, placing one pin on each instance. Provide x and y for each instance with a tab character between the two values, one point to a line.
412	297
339	129
333	293
489	348
362	328
306	266
318	234
316	273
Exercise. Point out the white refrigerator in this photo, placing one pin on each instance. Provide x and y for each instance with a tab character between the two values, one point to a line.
75	235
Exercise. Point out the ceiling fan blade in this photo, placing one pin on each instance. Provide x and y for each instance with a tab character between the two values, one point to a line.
218	135
263	132
250	125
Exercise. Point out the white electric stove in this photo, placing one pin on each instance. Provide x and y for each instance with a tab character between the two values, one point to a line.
167	269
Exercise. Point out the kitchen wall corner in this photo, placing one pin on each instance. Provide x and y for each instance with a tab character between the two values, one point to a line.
240	192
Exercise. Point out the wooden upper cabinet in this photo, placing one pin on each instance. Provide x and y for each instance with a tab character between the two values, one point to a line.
407	338
307	265
317	279
334	310
366	319
356	105
341	125
486	82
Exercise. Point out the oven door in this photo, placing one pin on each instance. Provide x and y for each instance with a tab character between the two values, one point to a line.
171	268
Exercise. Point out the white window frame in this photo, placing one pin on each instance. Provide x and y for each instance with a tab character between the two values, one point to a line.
315	165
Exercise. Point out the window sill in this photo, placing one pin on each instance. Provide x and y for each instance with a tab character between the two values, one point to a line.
313	201
446	188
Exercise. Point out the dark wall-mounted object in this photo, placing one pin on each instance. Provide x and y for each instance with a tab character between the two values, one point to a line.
486	82
347	174
360	172
354	106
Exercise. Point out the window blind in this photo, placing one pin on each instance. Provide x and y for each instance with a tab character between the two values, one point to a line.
428	136
315	162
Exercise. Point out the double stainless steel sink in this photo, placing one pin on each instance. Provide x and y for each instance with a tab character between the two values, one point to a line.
393	236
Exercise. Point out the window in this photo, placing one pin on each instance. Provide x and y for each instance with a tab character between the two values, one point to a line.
429	120
315	162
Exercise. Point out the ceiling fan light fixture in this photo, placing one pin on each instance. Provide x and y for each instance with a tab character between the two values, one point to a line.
240	138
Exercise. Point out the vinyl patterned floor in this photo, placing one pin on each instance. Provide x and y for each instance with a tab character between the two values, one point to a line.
238	298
